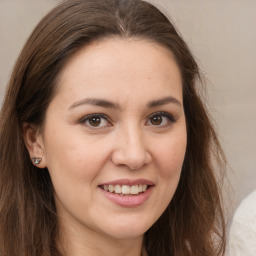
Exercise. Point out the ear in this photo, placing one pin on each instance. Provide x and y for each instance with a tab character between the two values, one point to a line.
34	142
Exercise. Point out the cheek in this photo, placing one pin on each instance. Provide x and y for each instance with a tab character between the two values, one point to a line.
171	155
71	152
72	166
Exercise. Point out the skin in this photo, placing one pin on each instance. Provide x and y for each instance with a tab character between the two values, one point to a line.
126	144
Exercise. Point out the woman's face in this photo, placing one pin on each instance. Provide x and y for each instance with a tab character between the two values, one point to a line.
115	137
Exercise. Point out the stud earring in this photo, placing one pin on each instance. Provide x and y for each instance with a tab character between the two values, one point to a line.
36	160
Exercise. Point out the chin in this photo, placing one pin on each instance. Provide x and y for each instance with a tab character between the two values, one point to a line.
128	230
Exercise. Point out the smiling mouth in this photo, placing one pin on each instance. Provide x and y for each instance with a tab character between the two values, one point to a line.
126	190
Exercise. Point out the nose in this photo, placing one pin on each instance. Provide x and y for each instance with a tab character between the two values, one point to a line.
130	149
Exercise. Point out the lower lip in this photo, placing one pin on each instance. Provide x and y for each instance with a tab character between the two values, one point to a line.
128	201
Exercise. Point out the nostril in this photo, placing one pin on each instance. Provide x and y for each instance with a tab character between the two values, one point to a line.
133	154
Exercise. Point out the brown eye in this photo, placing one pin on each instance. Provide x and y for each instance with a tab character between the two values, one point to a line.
160	119
156	120
94	121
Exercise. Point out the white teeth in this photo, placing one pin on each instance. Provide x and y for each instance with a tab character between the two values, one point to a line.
135	190
118	189
111	188
126	189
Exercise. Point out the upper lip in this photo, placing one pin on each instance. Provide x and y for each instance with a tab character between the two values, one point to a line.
128	182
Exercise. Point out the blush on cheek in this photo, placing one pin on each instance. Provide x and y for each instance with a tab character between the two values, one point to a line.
171	163
172	172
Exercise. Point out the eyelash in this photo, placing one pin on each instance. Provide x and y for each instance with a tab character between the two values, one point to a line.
88	117
162	114
170	117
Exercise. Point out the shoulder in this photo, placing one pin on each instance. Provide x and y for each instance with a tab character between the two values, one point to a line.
242	234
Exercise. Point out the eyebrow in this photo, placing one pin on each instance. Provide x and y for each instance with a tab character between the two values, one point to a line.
163	101
108	104
95	102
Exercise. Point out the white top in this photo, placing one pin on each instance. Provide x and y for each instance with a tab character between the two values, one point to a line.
242	236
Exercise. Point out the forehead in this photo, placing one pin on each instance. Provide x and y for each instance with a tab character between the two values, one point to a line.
124	66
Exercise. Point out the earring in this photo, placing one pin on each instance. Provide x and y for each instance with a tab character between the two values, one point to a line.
36	160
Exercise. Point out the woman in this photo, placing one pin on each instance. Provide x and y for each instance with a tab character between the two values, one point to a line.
106	147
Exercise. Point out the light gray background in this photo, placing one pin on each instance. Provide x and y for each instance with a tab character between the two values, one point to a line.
222	36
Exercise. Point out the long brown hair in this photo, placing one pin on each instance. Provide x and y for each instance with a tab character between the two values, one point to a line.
193	223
